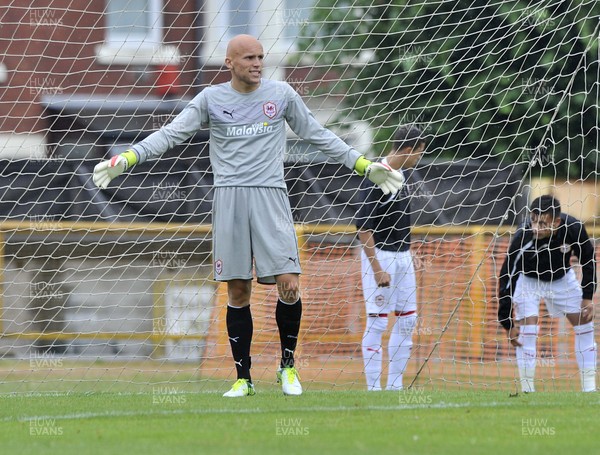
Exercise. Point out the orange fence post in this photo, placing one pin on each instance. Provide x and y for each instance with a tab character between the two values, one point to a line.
477	294
302	257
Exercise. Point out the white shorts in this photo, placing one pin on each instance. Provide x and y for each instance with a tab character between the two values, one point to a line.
401	295
562	296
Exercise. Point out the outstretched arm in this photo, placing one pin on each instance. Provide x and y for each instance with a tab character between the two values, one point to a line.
184	126
304	124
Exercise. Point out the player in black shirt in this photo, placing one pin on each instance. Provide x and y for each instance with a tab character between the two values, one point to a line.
538	266
388	276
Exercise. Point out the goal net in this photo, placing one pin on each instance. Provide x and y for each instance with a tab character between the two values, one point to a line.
112	290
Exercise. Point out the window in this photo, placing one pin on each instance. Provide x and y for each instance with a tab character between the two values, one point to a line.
133	35
134	22
228	18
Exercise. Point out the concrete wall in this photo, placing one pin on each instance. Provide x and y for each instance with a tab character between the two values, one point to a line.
98	296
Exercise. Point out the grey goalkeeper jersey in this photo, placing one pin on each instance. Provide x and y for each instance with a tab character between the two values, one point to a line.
247	133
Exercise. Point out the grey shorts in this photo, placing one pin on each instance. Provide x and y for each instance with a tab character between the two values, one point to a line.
253	226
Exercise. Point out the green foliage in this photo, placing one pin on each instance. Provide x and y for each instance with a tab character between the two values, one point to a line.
485	79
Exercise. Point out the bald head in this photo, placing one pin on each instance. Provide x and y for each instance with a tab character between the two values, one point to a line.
241	44
245	61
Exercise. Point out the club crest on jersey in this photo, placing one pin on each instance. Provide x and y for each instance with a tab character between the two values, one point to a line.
379	300
565	248
270	109
218	266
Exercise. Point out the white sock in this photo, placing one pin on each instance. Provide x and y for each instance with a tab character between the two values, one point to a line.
372	350
526	356
585	352
399	349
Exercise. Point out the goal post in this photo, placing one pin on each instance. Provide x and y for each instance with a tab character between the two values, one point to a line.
112	290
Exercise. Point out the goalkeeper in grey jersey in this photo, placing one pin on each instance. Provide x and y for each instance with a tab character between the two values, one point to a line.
252	220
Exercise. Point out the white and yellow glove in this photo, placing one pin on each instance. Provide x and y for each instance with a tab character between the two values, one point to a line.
107	170
382	175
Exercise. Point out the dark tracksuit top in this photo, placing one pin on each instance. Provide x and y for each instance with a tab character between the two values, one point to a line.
388	216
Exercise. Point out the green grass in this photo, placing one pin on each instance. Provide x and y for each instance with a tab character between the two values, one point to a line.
319	422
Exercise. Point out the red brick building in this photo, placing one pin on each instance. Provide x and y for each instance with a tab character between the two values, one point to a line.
112	50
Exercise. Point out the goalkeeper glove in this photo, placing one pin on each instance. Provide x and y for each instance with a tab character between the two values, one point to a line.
382	175
105	171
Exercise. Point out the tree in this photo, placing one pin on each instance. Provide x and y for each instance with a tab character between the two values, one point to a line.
487	80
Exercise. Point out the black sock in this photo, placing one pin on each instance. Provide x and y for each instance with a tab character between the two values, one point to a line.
239	330
288	321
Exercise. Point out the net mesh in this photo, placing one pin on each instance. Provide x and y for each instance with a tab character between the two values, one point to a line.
112	290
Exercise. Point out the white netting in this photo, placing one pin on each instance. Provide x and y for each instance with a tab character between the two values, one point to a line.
112	290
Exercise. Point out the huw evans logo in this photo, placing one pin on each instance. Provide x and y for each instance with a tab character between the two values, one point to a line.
167	395
44	426
249	130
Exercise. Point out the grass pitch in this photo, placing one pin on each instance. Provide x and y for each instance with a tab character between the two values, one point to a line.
417	421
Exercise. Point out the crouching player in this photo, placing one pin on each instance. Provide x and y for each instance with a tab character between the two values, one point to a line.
538	266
